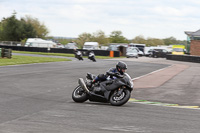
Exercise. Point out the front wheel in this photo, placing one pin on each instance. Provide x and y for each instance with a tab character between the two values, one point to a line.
80	58
118	100
79	95
94	60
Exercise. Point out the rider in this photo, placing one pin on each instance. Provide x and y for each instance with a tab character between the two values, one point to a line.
75	52
89	51
78	54
114	72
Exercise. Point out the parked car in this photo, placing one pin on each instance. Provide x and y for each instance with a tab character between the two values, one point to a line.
71	46
158	53
91	45
140	53
59	45
140	47
132	52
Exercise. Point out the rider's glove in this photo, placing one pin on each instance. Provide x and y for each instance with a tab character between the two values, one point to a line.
118	75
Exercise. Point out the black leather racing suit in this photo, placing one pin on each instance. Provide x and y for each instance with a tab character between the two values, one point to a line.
111	72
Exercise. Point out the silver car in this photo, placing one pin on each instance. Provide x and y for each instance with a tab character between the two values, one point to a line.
132	52
71	46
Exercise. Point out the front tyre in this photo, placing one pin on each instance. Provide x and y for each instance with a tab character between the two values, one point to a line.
79	95
118	100
94	60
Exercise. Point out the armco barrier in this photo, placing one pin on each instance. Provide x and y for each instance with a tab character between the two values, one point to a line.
187	58
60	50
21	48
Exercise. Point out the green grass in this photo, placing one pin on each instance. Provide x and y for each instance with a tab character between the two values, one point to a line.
61	54
43	53
18	59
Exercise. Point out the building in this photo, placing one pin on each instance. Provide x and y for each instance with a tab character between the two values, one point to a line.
193	42
121	47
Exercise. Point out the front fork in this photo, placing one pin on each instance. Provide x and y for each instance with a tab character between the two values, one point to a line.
120	90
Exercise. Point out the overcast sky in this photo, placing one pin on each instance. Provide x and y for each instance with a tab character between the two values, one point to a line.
150	18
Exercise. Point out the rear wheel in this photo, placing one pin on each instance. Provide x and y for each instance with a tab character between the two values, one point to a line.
79	95
118	100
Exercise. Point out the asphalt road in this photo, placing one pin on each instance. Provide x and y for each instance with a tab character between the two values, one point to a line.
36	98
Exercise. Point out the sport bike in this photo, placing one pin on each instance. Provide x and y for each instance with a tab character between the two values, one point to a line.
91	56
116	90
78	55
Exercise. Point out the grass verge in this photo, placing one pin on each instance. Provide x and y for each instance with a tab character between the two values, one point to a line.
43	53
18	59
61	54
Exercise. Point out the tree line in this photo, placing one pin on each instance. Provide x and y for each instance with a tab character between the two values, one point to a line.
12	29
117	37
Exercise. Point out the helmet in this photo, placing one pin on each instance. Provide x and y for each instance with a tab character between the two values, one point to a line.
121	66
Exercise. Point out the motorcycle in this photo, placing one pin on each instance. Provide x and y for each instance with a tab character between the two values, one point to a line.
91	56
114	91
78	55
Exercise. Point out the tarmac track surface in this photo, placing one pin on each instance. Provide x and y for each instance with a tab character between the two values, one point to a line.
37	98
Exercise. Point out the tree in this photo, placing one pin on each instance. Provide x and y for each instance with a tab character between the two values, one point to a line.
16	30
100	37
27	30
40	29
10	29
84	37
139	39
116	37
170	40
154	42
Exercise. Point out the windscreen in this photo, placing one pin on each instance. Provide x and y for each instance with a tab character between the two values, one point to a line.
128	79
178	50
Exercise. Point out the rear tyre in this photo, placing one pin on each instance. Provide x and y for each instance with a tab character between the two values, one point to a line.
79	95
118	100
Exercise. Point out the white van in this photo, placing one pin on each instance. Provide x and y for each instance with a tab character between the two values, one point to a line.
141	47
91	45
38	42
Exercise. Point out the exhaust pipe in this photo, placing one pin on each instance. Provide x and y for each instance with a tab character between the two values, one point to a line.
83	85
